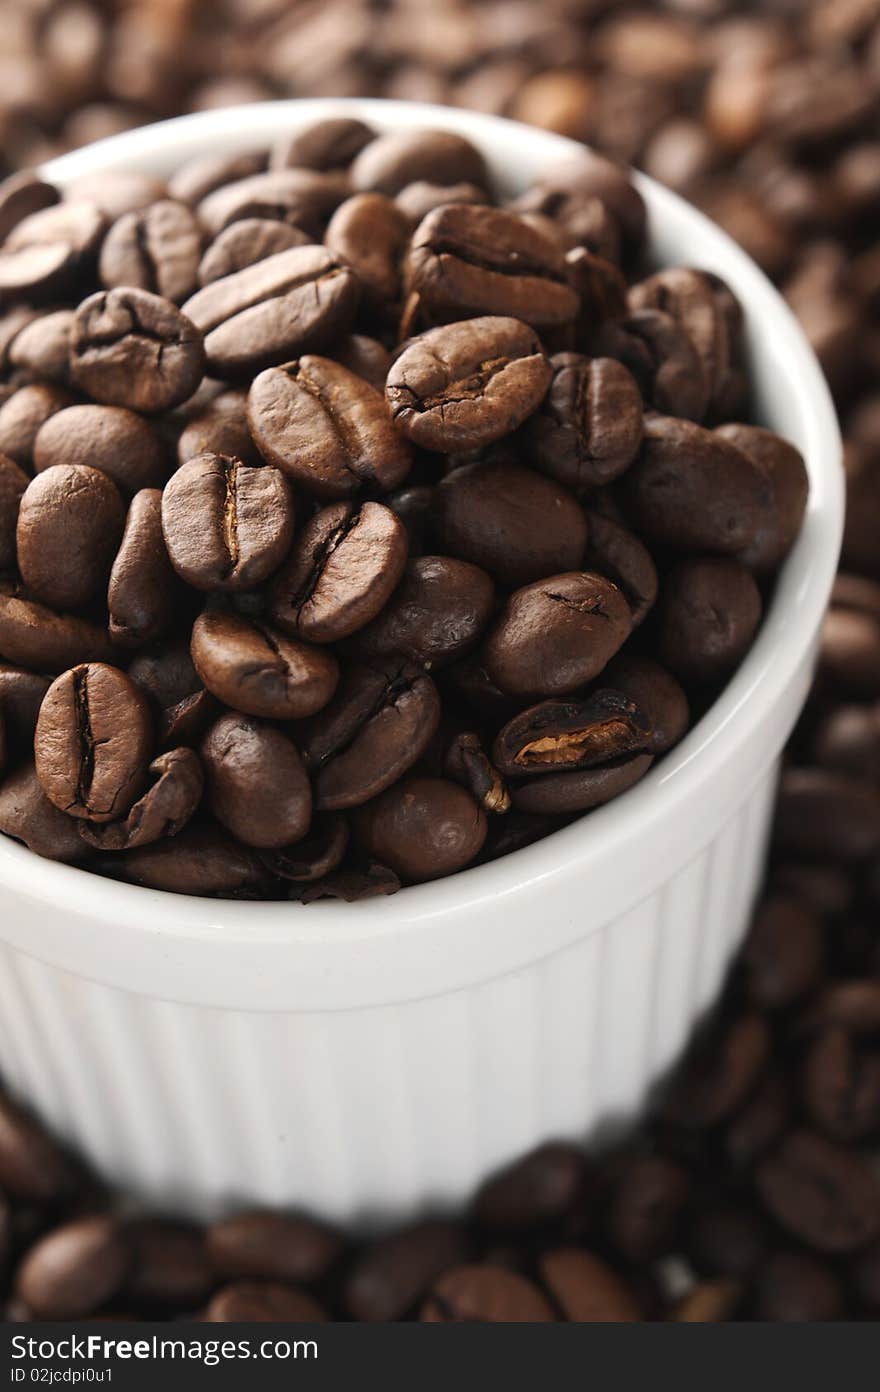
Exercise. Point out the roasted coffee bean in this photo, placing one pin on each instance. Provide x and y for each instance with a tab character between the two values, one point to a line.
143	589
92	742
422	197
256	784
254	668
614	551
661	358
796	1288
13	482
760	1123
720	1073
557	634
380	723
534	1190
201	175
585	1289
589	429
74	1270
787	485
850	1005
33	1167
689	297
132	348
27	815
22	416
435	616
245	243
165	672
364	356
784	954
370	234
186	721
326	428
822	1193
342	572
227	525
116	194
169	1267
592	174
656	692
823	815
560	736
21	195
390	162
466	260
422	828
559	794
21	695
841	1087
711	1302
293	302
220	427
709	613
486	513
109	438
304	197
42	347
693	490
727	1239
35	637
848	740
45	252
256	1302
390	1276
201	860
485	1294
465	385
365	881
647	1198
156	248
466	762
328	144
317	856
164	809
271	1247
70	522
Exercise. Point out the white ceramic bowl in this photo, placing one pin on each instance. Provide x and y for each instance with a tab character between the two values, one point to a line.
372	1060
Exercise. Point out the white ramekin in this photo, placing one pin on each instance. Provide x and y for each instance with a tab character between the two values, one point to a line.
369	1061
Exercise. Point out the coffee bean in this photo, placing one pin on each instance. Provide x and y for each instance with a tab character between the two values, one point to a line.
125	191
557	634
198	177
709	612
142	589
342	572
784	954
201	860
727	1239
390	162
646	1201
850	1005
590	427
329	144
661	358
245	243
788	486
485	513
186	721
796	1288
33	1167
466	763
585	1289
255	1302
465	385
164	809
271	1247
560	736
760	1123
711	1302
317	856
393	1274
485	1294
688	296
616	552
370	234
592	174
304	197
822	1193
563	793
21	695
656	692
45	252
436	614
534	1190
21	195
75	1269
35	637
219	428
227	525
13	482
70	522
841	1087
258	670
135	349
379	724
848	741
422	197
23	414
165	672
170	1268
326	428
93	742
365	357
42	348
422	828
720	1073
365	881
156	248
256	785
823	815
293	302
109	438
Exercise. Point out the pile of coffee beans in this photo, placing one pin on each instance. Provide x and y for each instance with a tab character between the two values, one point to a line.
357	527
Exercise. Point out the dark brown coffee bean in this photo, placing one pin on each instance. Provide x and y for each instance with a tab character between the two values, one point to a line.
710	1302
390	1276
727	1239
466	763
317	856
689	297
585	1289
534	1190
614	551
720	1073
592	174
656	692
304	197
262	1302
485	513
117	442
35	637
201	860
166	672
21	695
422	828
74	1270
124	191
13	482
256	785
380	723
557	634
70	522
865	1276
21	195
143	589
787	485
365	357
186	721
199	176
560	736
135	349
46	250
343	569
660	356
254	668
784	954
367	880
589	429
227	525
840	1085
271	1247
563	793
850	1005
329	144
156	248
824	815
219	428
32	1166
823	1194
647	1198
42	348
326	428
436	614
370	234
421	197
170	1268
245	243
390	162
848	741
465	260
795	1288
465	385
22	416
293	302
709	613
164	809
485	1295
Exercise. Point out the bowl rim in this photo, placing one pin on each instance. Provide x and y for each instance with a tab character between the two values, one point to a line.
332	934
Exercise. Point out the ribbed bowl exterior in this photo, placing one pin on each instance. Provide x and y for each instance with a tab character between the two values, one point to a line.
368	1115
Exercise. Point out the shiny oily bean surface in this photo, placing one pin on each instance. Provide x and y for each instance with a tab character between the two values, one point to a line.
586	1290
143	589
75	1269
436	615
616	552
392	1274
303	197
27	815
42	348
656	692
787	485
155	248
342	571
23	414
370	234
271	1247
227	525
709	612
589	429
422	828
34	636
70	522
201	860
93	742
328	429
118	442
13	482
329	144
245	243
45	251
557	736
254	668
392	161
256	784
580	791
131	348
165	808
465	385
